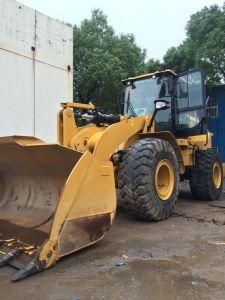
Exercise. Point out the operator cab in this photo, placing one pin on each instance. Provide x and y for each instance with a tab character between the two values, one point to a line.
184	93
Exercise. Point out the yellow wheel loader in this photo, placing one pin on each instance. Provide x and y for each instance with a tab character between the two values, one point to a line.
56	199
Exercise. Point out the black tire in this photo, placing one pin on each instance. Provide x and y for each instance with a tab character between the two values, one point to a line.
201	181
136	180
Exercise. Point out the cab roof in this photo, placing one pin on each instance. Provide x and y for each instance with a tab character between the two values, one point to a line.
167	71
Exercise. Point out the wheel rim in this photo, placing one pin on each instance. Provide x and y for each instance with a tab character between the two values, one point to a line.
164	179
217	175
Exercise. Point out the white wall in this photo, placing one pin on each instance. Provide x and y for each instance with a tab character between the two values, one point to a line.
33	83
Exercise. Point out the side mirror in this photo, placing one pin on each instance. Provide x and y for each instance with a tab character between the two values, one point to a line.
161	104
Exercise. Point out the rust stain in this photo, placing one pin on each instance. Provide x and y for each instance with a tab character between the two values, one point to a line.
79	233
68	78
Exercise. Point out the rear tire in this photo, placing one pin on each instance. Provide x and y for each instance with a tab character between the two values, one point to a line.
148	180
206	182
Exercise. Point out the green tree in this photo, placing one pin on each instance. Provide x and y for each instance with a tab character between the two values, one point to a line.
206	30
101	60
153	65
180	58
204	46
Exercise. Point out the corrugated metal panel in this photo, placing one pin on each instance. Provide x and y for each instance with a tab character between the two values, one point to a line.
35	54
217	125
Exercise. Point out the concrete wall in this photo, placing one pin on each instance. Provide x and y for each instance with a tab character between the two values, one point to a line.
36	62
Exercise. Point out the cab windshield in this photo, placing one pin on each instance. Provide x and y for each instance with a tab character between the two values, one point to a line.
141	94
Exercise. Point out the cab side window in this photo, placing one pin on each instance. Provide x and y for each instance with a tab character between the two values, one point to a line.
195	89
190	99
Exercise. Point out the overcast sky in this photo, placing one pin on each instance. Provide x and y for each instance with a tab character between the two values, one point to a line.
156	24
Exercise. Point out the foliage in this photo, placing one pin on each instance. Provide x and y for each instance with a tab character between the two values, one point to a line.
101	60
153	65
180	58
204	46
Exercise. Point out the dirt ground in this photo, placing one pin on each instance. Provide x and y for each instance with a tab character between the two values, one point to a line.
179	258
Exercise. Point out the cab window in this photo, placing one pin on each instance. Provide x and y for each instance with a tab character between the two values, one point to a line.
190	99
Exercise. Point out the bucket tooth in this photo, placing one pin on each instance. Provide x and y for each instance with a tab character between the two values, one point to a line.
32	267
7	257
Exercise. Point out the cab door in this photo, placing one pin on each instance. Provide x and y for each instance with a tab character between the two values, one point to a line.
190	102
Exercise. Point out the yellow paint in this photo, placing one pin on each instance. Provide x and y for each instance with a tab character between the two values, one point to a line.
203	141
81	139
66	126
164	179
182	142
217	175
89	189
93	141
187	154
192	143
149	75
77	105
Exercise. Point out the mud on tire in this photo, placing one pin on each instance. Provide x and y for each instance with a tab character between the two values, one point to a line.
136	180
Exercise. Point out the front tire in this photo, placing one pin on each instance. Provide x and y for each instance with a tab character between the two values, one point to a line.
148	179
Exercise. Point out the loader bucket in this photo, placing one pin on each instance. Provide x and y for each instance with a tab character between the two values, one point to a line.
46	211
